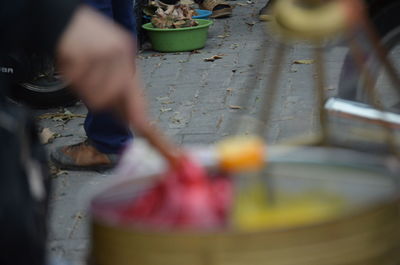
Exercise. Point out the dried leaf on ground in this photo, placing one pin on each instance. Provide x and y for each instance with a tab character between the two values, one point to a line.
61	172
223	36
235	107
167	102
67	112
213	58
241	4
165	110
306	61
47	136
60	116
229	90
251	23
162	98
219	122
288	118
79	216
56	172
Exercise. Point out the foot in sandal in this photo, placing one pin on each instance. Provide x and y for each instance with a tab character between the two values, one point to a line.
219	8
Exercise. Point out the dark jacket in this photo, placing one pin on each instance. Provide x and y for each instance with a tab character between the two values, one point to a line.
33	23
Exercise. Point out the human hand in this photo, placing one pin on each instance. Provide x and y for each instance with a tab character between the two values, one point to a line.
133	107
97	57
355	11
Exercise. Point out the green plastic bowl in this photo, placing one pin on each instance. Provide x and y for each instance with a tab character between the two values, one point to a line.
178	40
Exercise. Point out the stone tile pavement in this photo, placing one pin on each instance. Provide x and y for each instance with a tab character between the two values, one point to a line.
190	100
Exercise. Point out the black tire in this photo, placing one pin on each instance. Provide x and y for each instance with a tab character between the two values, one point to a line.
38	94
387	23
38	84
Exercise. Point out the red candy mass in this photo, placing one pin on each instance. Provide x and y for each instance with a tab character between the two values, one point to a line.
186	197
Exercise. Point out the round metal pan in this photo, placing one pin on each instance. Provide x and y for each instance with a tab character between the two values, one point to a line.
366	232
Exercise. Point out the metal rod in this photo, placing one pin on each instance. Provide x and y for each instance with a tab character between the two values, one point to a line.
371	90
265	115
320	89
270	90
244	101
382	53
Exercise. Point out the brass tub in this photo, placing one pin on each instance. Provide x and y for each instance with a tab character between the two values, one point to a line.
367	233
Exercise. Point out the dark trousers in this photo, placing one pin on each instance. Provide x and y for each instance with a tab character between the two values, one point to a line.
119	10
106	132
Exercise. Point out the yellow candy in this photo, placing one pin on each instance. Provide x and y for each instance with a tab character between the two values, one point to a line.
241	153
252	210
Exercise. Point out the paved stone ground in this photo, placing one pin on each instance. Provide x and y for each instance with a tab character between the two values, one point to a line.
191	99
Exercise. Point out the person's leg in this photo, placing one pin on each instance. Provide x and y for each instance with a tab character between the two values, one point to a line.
104	6
106	134
124	14
105	131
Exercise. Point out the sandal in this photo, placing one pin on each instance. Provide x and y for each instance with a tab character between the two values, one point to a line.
219	8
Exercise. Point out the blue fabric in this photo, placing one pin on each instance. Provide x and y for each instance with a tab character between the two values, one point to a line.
107	133
120	10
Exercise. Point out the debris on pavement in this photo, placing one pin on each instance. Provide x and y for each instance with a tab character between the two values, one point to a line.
306	61
250	23
47	136
235	107
60	116
223	36
288	118
213	58
165	110
165	100
79	216
55	171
